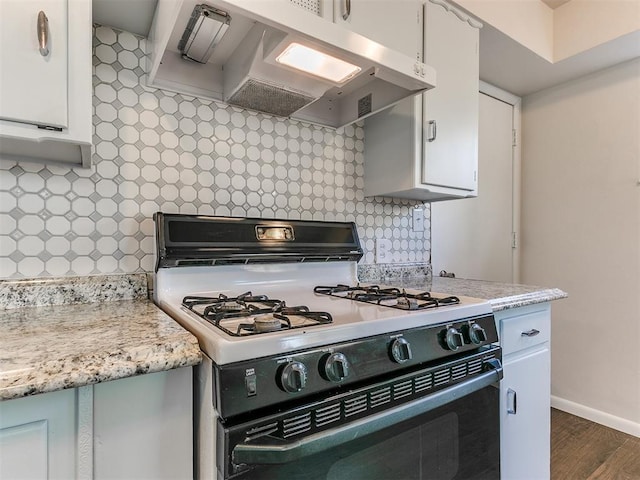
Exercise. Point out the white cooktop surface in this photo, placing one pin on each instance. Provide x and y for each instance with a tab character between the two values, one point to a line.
294	284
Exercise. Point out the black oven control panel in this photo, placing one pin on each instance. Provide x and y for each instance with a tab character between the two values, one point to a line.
266	382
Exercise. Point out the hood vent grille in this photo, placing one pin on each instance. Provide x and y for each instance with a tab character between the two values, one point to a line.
263	97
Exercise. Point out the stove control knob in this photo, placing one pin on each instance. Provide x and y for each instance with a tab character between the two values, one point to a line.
293	377
401	350
454	339
336	367
477	334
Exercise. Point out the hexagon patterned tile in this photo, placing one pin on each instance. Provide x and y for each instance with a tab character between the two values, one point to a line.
156	150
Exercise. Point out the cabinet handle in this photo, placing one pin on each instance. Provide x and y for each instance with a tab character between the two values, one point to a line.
433	130
512	402
346	10
530	333
43	33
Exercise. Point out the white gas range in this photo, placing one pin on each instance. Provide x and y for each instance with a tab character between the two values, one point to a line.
301	356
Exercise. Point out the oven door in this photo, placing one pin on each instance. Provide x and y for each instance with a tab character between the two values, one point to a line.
451	434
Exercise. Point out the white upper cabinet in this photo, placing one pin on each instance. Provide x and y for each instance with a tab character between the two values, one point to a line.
33	72
395	24
426	148
45	81
450	116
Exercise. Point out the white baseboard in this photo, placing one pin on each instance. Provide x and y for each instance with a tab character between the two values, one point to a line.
597	416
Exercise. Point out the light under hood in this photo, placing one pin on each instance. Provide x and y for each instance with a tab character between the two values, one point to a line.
243	69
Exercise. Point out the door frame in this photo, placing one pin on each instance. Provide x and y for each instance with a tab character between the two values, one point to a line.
516	103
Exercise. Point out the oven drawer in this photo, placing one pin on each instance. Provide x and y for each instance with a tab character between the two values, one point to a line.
525	330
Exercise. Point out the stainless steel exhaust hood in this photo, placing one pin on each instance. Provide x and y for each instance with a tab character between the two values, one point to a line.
245	54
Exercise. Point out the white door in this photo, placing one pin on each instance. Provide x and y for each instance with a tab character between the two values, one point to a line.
33	83
473	237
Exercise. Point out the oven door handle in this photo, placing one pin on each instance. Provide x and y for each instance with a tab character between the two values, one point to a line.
278	452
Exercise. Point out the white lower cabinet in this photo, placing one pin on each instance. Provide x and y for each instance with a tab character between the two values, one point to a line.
525	393
143	427
139	427
38	436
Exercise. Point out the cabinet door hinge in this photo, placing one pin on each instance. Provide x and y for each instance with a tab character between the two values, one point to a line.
515	138
514	240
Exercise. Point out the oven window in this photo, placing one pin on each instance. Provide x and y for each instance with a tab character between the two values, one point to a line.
429	449
460	440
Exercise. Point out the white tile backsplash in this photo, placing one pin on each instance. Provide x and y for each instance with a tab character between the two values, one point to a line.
156	150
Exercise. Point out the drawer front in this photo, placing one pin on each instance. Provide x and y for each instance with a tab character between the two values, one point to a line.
524	331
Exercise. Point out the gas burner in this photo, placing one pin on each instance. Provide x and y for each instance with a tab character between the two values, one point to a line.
408	303
262	323
268	323
249	314
388	297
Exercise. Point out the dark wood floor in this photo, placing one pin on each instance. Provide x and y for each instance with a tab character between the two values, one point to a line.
583	450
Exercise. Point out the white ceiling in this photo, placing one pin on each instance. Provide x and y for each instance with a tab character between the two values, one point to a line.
516	69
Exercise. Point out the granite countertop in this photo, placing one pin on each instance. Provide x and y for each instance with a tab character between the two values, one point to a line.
418	275
52	347
501	295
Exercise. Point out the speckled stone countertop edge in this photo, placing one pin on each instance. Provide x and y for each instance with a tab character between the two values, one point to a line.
522	300
36	292
94	372
501	296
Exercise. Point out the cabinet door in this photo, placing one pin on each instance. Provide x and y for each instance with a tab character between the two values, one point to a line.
37	436
392	23
525	434
450	112
33	86
143	427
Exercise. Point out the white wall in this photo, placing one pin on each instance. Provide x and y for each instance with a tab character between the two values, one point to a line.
581	233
